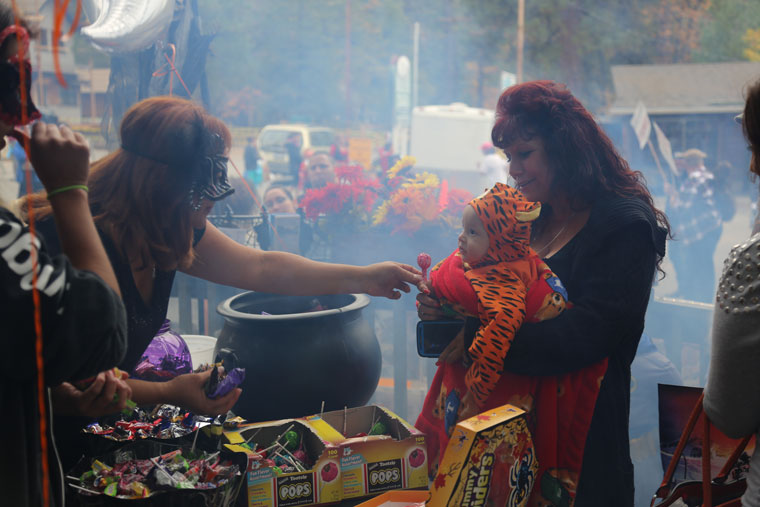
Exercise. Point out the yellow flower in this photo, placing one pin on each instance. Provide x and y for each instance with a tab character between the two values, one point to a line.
422	180
402	163
381	214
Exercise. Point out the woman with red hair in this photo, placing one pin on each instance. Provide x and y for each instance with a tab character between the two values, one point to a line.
150	199
600	233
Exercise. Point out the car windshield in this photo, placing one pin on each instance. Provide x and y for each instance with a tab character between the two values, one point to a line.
322	138
274	140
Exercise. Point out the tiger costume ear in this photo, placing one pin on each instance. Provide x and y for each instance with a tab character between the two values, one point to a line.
530	215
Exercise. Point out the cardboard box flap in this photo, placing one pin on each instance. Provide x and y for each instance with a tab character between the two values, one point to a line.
491	417
354	421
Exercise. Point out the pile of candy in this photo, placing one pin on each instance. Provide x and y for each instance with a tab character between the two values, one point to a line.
286	454
163	422
131	478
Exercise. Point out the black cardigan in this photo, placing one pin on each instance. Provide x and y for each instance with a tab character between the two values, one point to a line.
608	269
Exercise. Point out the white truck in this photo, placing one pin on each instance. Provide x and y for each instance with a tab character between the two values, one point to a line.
447	140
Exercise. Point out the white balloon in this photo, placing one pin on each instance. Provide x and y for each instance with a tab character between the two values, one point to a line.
125	26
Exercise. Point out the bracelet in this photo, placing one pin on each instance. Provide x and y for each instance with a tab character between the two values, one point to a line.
64	189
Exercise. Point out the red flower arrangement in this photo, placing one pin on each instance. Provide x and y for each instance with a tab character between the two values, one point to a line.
352	195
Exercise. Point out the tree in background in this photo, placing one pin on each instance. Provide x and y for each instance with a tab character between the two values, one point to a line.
752	39
723	32
295	51
675	26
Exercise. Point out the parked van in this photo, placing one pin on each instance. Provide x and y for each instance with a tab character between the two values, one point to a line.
272	139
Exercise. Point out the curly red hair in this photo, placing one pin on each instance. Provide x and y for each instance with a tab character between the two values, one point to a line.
583	157
139	193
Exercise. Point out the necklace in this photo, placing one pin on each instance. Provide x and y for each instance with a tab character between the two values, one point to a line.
551	241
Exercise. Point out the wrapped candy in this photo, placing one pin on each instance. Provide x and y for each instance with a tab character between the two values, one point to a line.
166	357
221	382
134	478
161	422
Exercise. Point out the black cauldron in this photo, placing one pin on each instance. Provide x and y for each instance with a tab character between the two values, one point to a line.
295	358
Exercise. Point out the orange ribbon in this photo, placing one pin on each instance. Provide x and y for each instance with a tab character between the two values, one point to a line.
172	70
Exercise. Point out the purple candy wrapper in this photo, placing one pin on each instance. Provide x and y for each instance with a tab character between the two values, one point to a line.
217	388
166	357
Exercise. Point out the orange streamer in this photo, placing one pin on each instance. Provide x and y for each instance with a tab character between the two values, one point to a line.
59	12
40	362
77	17
172	71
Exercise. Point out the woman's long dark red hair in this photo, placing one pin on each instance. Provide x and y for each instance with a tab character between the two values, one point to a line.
139	193
583	157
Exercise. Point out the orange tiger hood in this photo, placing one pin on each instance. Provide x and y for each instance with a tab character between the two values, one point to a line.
507	217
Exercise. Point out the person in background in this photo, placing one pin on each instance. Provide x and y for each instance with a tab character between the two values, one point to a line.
253	172
82	318
601	234
732	394
150	199
319	170
493	167
279	199
293	146
697	227
339	149
250	154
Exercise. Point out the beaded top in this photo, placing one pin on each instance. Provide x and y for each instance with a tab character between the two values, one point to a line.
739	287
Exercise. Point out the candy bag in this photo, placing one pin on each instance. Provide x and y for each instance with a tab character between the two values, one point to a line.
166	357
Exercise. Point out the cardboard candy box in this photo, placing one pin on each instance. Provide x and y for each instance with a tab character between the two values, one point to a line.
398	499
371	463
266	488
489	461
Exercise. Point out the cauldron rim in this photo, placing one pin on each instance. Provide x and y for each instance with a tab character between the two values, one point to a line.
225	309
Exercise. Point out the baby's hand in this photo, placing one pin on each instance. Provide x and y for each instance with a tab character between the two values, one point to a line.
468	406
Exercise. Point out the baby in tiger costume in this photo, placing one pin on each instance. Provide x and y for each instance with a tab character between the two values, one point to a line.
496	276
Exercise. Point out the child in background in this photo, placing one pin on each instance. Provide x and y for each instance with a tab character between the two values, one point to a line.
495	276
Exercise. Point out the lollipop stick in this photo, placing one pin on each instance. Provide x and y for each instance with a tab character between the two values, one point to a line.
195	439
84	489
254	434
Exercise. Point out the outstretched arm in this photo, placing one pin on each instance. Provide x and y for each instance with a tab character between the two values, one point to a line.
221	260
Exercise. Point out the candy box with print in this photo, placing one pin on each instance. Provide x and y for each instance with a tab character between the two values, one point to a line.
372	463
319	484
490	461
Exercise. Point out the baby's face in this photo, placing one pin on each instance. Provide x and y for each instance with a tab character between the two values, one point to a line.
473	241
